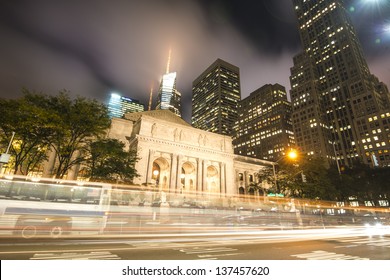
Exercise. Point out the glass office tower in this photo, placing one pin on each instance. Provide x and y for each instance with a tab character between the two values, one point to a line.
264	128
215	96
120	105
168	96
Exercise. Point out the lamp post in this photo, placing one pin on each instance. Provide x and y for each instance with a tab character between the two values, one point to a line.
291	155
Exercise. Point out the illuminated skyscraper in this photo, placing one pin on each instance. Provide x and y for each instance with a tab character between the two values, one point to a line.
169	98
215	96
119	105
264	128
340	109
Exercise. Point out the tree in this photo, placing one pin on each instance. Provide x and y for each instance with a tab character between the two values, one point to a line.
365	183
58	123
29	120
289	176
78	122
266	175
318	183
109	161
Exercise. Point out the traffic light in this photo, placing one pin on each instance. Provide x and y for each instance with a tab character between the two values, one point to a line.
303	178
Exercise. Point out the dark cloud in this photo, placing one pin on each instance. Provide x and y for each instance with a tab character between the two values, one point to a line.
94	47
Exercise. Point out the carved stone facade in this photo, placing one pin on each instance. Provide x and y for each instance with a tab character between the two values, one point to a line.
176	157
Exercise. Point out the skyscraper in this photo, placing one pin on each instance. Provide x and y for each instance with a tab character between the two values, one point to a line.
120	105
333	93
215	96
264	128
169	98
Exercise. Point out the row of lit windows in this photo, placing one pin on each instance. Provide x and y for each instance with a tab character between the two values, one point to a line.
376	118
378	145
319	14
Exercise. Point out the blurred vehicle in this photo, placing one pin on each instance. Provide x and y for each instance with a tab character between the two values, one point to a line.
31	207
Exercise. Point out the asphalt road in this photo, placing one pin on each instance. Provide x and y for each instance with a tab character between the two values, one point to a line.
318	244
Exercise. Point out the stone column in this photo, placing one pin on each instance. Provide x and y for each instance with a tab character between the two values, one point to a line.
172	184
222	179
204	176
178	173
245	180
73	171
49	165
199	175
150	167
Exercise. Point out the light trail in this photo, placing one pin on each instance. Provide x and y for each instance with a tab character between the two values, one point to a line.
204	239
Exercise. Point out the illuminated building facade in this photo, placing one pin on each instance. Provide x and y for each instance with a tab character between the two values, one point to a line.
264	128
120	105
178	158
333	93
215	97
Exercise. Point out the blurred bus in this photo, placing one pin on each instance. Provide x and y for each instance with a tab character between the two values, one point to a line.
32	207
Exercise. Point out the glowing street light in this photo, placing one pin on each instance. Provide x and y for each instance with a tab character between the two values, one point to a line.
292	154
155	175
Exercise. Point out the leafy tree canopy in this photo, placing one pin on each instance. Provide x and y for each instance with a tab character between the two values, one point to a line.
58	123
110	162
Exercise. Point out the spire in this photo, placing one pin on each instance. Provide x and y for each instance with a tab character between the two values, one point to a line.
169	61
150	98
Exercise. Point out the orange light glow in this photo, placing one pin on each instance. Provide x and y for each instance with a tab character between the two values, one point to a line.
292	154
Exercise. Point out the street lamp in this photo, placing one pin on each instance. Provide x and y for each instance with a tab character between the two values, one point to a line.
292	154
155	175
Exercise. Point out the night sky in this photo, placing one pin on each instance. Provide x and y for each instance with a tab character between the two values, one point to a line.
95	47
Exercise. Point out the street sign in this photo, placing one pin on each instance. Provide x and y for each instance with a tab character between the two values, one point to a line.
4	158
275	194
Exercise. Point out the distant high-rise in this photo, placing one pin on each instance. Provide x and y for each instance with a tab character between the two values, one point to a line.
215	96
264	128
120	105
169	98
333	93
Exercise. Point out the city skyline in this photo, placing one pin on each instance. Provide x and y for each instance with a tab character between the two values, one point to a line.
123	47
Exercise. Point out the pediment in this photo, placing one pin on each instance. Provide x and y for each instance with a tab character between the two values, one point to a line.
165	115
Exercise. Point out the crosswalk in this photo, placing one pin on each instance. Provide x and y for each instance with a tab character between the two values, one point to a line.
205	251
347	242
370	241
210	253
212	250
324	255
103	255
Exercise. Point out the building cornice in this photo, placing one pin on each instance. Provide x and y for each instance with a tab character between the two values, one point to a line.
182	146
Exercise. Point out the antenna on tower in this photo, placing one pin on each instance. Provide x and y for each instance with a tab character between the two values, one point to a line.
169	61
150	98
